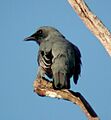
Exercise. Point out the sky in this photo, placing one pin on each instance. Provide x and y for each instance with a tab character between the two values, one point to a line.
18	62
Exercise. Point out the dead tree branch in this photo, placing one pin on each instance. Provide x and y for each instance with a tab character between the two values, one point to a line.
44	88
94	24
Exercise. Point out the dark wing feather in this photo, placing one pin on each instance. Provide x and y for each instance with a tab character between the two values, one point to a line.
77	67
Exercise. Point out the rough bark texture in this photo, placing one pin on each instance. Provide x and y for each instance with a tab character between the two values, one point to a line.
44	88
93	23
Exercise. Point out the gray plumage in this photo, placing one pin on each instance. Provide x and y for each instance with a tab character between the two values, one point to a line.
58	58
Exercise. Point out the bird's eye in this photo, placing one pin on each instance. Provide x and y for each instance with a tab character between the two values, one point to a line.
39	32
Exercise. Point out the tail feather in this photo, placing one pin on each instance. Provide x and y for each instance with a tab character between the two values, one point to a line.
76	73
77	68
61	81
60	70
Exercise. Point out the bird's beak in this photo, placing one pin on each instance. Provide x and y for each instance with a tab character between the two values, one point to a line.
30	38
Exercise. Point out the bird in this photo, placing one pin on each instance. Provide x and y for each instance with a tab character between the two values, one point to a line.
58	58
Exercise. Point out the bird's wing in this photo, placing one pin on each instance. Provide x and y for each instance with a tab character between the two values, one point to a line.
60	65
68	57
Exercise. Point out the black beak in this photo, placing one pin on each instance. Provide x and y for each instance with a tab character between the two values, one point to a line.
30	38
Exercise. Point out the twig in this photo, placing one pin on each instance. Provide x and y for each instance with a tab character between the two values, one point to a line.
44	88
94	24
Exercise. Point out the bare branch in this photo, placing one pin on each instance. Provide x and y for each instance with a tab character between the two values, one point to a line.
44	88
93	23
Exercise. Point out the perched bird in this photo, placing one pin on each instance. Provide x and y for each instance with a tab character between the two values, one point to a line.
58	58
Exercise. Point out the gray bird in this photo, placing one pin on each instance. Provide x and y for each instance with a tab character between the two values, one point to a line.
58	58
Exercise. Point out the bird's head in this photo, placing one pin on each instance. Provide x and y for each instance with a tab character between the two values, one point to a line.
43	33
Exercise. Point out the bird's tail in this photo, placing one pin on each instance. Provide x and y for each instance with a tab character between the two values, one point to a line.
61	80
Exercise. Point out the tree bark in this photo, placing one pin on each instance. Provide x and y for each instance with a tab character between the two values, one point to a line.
44	88
94	24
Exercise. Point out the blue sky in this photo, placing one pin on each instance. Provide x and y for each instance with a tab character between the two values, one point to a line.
18	66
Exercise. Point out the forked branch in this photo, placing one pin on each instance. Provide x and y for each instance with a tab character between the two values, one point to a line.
44	88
